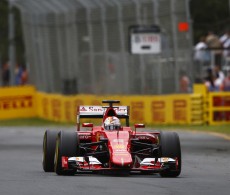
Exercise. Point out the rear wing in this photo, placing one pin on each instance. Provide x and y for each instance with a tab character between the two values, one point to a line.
99	111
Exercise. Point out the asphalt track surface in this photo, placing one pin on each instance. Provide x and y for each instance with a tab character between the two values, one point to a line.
205	169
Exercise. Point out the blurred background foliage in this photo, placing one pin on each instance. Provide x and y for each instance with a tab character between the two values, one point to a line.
209	15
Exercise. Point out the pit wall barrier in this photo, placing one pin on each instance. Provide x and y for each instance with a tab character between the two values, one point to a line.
171	109
17	102
167	109
216	106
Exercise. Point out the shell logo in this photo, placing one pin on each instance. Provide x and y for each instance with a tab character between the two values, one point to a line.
164	159
119	146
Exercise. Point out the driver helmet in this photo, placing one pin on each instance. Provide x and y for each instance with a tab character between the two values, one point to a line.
112	123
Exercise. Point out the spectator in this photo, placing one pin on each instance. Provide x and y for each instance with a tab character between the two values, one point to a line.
24	76
218	83
201	56
209	80
226	83
5	74
224	37
184	83
18	74
219	73
215	79
215	45
225	40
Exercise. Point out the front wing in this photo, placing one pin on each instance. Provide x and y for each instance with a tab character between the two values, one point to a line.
92	164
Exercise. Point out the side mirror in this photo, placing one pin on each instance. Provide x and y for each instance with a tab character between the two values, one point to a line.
139	125
87	124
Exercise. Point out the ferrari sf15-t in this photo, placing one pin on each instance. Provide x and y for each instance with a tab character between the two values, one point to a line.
111	147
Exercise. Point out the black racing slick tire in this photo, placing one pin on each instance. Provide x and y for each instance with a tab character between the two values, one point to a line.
170	147
67	144
49	143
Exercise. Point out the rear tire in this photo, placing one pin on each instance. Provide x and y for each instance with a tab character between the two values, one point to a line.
170	147
67	144
49	143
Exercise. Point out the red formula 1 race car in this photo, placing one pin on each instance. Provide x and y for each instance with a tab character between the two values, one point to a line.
111	147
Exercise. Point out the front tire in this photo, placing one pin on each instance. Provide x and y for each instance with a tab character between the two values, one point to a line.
67	144
49	143
170	147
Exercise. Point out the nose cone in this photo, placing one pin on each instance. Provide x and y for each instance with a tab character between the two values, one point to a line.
122	160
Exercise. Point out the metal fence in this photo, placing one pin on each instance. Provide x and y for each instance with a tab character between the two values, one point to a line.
81	46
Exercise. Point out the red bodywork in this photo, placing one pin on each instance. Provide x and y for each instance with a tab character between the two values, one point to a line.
119	146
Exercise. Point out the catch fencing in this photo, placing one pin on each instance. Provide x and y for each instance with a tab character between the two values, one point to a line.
81	46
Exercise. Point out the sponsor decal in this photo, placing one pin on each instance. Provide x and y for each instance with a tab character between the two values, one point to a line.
83	109
158	104
151	161
119	146
137	111
179	103
164	159
95	109
84	137
79	158
118	140
146	38
92	160
158	111
122	110
16	102
99	110
179	110
143	137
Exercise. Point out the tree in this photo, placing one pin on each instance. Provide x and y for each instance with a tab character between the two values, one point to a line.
209	15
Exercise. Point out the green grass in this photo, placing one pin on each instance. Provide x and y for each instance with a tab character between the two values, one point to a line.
225	129
31	122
